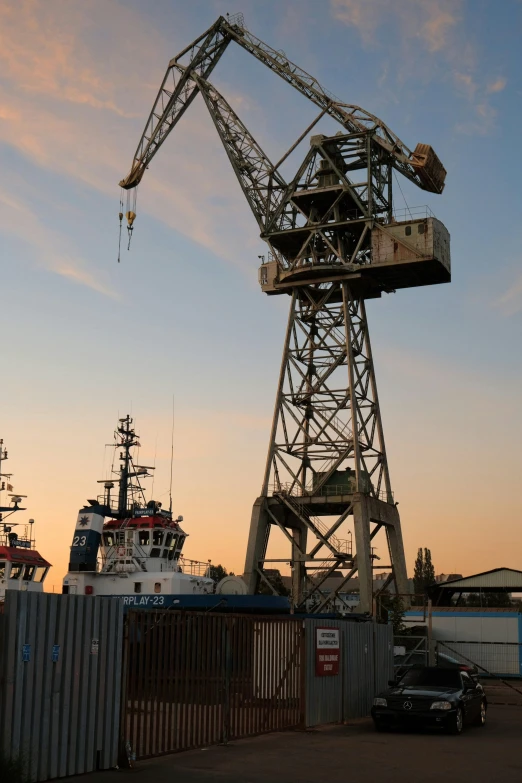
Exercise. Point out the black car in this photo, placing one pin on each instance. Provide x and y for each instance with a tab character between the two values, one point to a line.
419	658
431	696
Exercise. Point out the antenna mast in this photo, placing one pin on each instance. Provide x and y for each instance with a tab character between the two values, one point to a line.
171	457
128	440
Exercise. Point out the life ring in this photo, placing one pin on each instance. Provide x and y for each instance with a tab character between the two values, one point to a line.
120	551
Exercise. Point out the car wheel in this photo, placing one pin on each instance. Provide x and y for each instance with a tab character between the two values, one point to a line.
481	720
456	724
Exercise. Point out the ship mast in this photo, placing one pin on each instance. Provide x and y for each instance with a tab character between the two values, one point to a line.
128	440
129	473
16	499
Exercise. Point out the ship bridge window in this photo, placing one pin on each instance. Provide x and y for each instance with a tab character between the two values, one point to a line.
157	537
108	539
155	552
137	587
168	539
2	570
29	572
40	573
421	228
172	546
16	570
144	537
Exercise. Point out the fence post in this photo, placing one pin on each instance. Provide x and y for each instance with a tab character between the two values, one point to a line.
431	643
125	752
303	675
226	694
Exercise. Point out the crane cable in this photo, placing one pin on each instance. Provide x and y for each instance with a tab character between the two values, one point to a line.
130	214
402	194
120	215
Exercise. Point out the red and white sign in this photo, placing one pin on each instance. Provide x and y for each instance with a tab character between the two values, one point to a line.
327	651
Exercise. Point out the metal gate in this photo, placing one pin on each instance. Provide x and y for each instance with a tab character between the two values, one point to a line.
196	679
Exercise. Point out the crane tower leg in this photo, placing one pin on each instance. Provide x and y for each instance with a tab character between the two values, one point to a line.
327	471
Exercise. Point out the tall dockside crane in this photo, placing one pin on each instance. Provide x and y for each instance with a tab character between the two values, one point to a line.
334	241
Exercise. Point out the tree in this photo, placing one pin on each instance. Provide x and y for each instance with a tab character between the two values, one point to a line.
217	572
423	572
418	573
499	600
392	611
274	577
429	571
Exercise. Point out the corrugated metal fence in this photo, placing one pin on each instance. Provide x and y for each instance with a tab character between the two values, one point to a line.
194	679
366	665
60	680
189	679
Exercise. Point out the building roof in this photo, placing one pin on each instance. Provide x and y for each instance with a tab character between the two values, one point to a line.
496	579
19	555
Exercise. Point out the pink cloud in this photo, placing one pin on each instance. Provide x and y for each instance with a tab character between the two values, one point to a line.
429	20
52	250
498	85
79	112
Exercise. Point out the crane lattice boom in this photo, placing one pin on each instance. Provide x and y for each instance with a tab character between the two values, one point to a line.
178	90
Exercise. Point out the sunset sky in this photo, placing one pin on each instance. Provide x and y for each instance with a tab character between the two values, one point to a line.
85	339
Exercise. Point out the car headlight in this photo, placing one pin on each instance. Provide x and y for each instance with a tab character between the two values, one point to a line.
441	705
378	702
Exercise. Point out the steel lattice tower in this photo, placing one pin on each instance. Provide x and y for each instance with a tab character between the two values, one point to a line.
334	241
327	456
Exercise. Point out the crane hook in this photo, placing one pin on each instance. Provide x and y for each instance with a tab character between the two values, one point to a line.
130	220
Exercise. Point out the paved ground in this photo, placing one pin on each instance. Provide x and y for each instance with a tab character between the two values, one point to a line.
507	692
345	754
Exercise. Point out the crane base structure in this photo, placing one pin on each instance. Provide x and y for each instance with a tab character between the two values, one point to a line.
326	460
334	241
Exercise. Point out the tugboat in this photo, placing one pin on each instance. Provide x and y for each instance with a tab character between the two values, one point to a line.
21	566
126	546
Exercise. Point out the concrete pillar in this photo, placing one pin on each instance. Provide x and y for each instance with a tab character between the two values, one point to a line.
361	525
299	566
257	542
398	558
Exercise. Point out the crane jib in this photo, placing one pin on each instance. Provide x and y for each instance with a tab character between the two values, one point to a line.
422	166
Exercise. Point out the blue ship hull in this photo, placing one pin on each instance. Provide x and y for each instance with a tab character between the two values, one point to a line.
261	604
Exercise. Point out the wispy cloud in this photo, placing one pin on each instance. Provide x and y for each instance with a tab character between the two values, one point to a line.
72	108
51	249
498	85
429	21
430	41
510	302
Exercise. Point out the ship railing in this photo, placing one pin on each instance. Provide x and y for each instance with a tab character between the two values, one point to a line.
19	543
327	490
412	213
195	567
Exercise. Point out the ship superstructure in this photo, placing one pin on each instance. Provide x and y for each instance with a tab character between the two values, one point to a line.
125	545
21	566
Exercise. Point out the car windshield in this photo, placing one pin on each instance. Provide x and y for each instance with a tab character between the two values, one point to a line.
431	677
